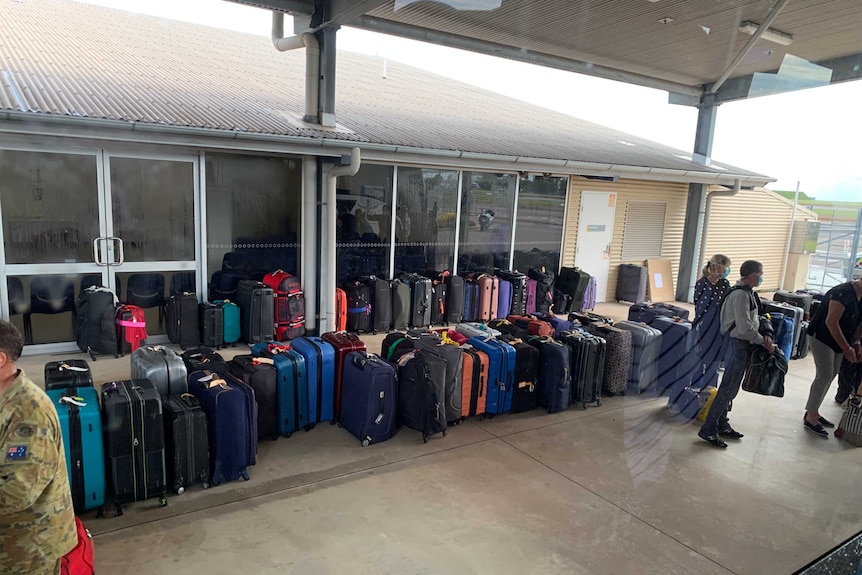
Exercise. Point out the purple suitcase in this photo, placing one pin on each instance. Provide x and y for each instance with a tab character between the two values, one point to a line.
504	299
530	297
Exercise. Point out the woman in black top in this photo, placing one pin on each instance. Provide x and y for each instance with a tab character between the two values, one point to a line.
835	329
709	343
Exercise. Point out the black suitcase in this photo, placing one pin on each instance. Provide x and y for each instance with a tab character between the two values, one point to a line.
134	441
422	388
211	317
803	345
519	290
256	303
554	378
95	331
182	320
262	378
359	308
420	299
632	283
562	303
224	285
454	358
400	305
396	345
381	304
573	282
618	357
200	358
67	373
544	288
507	327
438	303
802	300
187	452
588	366
454	299
525	396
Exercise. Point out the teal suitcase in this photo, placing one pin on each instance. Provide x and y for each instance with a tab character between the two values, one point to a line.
231	321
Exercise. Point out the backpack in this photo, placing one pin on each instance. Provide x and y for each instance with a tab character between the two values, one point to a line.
79	561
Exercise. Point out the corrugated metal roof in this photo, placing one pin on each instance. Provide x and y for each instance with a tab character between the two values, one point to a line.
70	59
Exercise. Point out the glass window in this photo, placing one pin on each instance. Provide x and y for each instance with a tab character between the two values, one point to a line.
539	233
425	222
253	216
364	226
487	203
50	205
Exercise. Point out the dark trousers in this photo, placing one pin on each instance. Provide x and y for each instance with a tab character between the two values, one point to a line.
716	419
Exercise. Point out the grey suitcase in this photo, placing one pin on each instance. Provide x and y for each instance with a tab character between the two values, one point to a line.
646	343
162	366
454	357
632	283
476	329
256	311
400	305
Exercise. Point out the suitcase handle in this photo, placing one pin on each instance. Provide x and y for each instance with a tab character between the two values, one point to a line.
67	367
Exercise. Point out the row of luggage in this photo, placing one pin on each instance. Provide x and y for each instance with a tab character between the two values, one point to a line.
105	326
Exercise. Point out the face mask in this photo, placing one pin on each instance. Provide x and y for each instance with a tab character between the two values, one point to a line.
759	281
726	272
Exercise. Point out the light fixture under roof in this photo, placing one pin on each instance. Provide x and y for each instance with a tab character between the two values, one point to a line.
771	34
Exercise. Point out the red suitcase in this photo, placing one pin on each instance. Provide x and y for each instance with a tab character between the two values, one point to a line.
289	305
534	325
343	343
340	309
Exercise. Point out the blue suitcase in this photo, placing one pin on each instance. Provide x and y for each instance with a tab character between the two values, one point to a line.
559	324
225	404
320	366
676	364
291	383
369	397
501	373
471	301
783	327
81	423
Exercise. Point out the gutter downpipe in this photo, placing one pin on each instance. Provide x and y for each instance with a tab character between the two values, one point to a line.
312	63
330	214
737	184
309	253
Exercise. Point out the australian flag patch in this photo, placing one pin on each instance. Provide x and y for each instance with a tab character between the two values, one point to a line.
16	452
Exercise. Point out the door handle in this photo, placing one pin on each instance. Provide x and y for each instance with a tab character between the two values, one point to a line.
97	253
121	257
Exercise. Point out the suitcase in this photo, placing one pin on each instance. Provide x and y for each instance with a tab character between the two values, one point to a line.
525	396
230	322
401	295
131	328
341	309
370	395
224	285
291	383
474	381
438	303
320	366
544	279
211	321
81	424
452	337
200	358
359	307
261	377
573	282
471	329
783	335
504	299
421	391
289	304
395	345
162	366
471	301
518	299
533	325
381	304
676	363
562	302
797	314
182	321
420	299
632	283
501	374
256	311
433	344
506	327
530	297
94	313
646	312
134	441
588	366
67	373
187	452
228	423
343	343
488	298
675	311
802	346
455	299
618	357
586	318
554	379
590	295
558	324
646	344
797	299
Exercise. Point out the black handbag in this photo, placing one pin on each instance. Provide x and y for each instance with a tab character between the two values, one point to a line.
766	373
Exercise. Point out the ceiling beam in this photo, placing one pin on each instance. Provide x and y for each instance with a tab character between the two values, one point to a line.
345	12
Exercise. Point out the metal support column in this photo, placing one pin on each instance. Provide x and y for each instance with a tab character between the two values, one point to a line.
326	38
695	207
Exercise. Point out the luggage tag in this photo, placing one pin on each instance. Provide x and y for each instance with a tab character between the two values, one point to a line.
67	367
530	384
262	360
75	400
214	381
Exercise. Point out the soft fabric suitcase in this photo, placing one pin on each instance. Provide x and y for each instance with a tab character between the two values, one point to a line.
162	366
395	345
224	284
618	357
81	424
562	302
632	283
533	325
518	298
343	343
341	309
488	298
438	303
131	328
586	318
370	397
182	321
401	295
421	392
588	366
291	383
530	297
289	304
433	344
320	366
558	324
646	344
554	379
187	453
675	310
256	309
359	307
676	364
67	373
134	441
501	374
95	332
506	327
211	320
455	290
200	358
504	298
525	396
797	299
590	295
228	423
472	329
261	377
646	312
573	282
381	304
231	321
544	279
474	381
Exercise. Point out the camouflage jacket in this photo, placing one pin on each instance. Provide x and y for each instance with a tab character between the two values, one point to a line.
37	522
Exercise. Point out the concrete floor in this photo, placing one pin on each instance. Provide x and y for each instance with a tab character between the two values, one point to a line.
622	488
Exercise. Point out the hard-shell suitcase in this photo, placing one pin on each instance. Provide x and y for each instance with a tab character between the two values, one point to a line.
802	346
182	321
228	423
675	362
473	329
381	304
632	283
471	301
433	344
370	397
187	452
401	296
455	288
261	377
646	312
95	331
359	308
797	314
162	366
573	283
200	358
131	328
530	297
554	378
525	394
67	373
590	295
289	304
504	299
618	357
343	343
134	441
588	366
488	299
544	279
421	391
341	309
646	343
501	373
797	299
420	300
81	424
256	304
783	334
211	319
291	383
320	366
474	381
230	321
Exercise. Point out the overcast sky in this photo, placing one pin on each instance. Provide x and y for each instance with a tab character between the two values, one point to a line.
808	136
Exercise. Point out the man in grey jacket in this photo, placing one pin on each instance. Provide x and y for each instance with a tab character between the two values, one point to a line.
739	316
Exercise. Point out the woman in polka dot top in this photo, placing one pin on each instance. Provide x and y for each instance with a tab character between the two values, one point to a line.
709	343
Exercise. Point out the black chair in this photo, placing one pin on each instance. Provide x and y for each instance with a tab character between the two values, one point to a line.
182	282
18	303
146	291
49	295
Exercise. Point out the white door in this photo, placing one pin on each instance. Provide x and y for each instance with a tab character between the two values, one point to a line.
595	233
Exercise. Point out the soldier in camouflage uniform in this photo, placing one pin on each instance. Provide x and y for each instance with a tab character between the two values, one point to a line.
37	523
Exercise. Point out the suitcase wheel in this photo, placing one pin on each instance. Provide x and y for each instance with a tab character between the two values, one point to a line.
205	485
245	476
599	402
180	490
288	434
424	439
119	510
444	433
367	441
309	427
333	421
100	512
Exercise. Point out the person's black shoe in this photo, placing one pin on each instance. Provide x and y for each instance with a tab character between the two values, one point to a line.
713	440
825	422
731	433
816	429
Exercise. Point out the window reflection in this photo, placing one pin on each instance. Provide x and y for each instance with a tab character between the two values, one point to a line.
539	233
364	226
487	203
